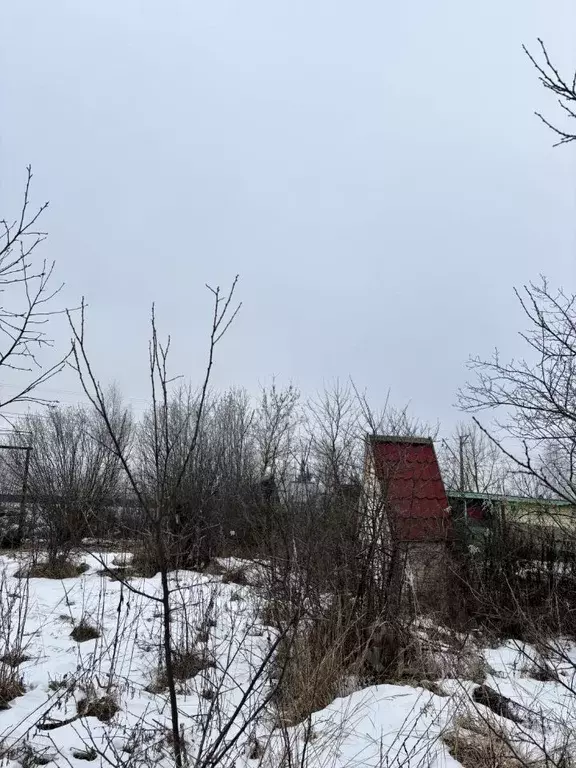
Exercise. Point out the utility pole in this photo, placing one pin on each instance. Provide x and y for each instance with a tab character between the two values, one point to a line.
461	442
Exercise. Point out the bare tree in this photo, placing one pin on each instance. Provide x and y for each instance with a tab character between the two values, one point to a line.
392	420
535	396
220	481
161	499
564	89
26	304
335	429
275	425
470	461
74	478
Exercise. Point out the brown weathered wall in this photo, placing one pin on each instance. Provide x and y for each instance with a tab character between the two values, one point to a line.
427	569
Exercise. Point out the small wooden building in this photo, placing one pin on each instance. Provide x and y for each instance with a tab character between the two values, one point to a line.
407	508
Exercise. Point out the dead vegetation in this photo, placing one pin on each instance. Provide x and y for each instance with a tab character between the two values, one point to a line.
481	740
403	651
144	563
332	651
102	707
478	743
15	658
343	621
541	671
237	575
11	686
186	664
189	663
28	757
310	668
84	631
62	683
277	612
123	560
64	569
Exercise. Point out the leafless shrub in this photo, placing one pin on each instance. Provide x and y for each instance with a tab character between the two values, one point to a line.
144	562
177	535
277	613
74	479
118	573
14	605
517	583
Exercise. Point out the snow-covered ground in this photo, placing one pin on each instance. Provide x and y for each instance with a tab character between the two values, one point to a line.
380	726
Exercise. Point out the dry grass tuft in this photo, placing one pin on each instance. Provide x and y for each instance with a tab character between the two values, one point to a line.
84	631
15	658
62	683
186	664
433	687
44	570
103	707
399	652
312	664
27	757
237	575
11	686
476	742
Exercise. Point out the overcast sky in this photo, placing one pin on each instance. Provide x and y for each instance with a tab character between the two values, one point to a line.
371	169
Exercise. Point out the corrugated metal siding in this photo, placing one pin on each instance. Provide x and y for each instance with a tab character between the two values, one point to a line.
412	487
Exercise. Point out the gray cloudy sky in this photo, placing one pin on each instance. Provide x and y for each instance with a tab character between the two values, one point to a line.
371	169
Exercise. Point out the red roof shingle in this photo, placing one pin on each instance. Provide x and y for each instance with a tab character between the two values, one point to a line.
410	480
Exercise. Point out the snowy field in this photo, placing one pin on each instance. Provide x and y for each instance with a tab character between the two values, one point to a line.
64	714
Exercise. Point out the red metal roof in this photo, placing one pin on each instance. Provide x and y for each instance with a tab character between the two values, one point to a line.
411	483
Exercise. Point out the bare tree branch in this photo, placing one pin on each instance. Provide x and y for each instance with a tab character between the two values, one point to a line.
26	296
536	396
565	90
